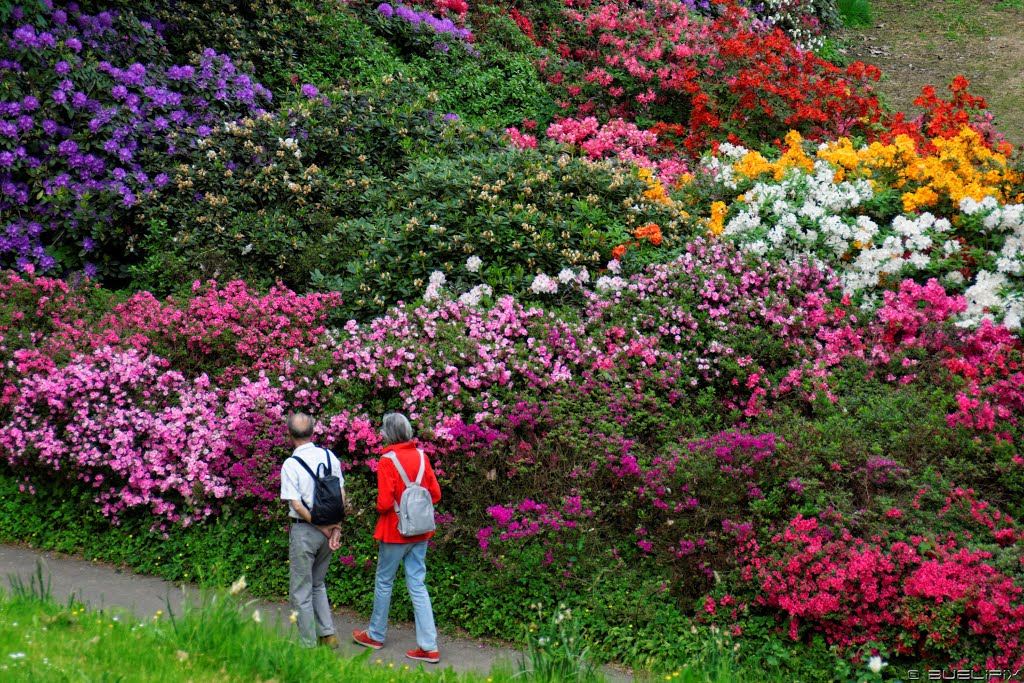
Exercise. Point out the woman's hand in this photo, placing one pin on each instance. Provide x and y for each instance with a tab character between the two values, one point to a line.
334	540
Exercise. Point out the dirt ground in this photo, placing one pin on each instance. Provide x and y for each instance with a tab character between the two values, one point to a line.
921	42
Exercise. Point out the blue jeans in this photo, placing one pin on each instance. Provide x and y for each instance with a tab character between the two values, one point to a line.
414	557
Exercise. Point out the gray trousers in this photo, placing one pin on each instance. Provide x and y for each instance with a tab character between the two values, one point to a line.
309	557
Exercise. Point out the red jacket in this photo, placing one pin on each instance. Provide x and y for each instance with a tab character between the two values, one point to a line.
390	488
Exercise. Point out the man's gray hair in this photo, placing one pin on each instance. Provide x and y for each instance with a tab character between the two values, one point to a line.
300	425
395	428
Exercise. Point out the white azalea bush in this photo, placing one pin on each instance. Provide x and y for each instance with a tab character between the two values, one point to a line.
804	207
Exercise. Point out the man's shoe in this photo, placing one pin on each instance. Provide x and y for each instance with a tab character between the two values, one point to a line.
364	639
329	641
424	656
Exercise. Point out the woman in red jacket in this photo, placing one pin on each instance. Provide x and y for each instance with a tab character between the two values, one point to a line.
394	548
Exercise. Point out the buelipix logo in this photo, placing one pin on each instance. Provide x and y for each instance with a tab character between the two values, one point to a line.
963	675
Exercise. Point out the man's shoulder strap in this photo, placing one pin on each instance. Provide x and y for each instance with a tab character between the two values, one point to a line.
304	465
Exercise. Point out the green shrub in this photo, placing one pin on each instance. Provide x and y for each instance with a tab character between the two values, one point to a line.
261	200
521	212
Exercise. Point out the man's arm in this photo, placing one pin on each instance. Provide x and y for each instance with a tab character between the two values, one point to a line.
299	507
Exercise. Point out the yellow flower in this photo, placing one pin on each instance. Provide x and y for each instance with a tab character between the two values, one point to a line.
716	223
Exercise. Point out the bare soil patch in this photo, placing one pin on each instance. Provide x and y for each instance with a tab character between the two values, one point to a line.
928	42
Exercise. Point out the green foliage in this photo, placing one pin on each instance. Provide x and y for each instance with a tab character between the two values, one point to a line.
520	212
555	649
261	200
855	13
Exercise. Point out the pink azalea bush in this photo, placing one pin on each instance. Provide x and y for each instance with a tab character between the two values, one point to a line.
654	429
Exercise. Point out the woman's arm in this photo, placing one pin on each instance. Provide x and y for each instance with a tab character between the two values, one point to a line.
386	474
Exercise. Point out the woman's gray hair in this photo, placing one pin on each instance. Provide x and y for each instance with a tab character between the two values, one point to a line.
395	428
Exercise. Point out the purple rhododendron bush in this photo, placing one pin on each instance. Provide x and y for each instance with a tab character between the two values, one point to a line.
630	440
720	397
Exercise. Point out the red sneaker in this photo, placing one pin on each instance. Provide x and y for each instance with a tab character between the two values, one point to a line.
363	638
424	656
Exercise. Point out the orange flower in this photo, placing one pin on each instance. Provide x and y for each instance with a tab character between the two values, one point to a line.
618	252
650	232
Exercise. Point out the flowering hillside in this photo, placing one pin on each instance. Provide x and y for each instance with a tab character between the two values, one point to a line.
700	337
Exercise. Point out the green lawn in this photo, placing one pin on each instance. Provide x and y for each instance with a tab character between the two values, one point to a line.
221	639
41	640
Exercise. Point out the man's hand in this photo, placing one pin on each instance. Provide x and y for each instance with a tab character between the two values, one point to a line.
333	534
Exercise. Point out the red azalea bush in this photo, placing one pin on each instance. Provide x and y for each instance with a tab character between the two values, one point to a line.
723	77
931	599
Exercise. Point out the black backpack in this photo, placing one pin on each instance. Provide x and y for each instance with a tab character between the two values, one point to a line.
327	507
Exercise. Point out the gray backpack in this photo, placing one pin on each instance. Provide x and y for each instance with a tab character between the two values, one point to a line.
416	509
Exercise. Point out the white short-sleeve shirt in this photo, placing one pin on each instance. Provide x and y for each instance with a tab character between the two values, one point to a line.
296	484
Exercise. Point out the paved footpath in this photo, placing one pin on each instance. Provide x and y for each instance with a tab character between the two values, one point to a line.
101	585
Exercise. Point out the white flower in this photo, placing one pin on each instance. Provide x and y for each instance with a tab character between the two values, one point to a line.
566	277
954	277
257	617
614	266
473	264
542	284
584	276
17	655
437	280
473	296
238	586
613	284
876	664
246	249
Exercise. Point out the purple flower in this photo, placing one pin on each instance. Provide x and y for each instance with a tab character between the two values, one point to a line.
90	270
59	97
385	9
29	103
119	92
74	44
161	180
88	244
310	90
79	99
62	68
67	148
408	14
451	117
204	131
49	126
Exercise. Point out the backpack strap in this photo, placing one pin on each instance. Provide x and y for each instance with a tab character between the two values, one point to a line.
327	457
390	455
423	468
306	467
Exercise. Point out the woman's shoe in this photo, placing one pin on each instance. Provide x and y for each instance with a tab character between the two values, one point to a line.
424	656
364	639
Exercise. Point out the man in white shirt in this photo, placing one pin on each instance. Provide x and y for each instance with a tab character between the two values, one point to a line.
309	547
